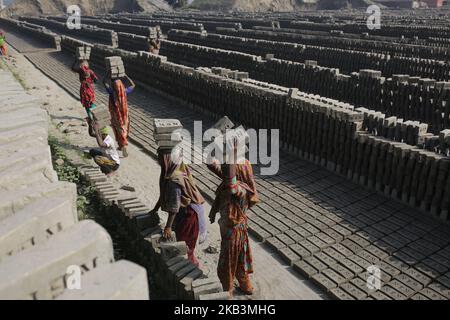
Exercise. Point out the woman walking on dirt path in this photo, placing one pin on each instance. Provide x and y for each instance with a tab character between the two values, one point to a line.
118	108
87	91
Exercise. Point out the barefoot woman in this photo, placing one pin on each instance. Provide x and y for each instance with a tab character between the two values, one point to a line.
234	196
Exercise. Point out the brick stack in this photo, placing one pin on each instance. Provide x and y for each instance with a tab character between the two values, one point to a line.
83	53
350	60
390	96
40	235
115	66
167	134
132	42
95	33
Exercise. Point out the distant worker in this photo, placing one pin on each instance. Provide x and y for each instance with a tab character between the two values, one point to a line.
118	108
106	157
181	199
154	46
234	196
3	48
87	91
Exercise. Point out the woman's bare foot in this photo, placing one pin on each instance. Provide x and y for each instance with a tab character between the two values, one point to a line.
124	152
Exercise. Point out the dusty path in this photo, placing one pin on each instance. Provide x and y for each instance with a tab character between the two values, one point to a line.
273	279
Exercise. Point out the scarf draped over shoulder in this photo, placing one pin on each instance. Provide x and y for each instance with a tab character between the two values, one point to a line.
236	207
181	175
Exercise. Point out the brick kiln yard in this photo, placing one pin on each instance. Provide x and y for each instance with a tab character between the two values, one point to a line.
141	171
338	204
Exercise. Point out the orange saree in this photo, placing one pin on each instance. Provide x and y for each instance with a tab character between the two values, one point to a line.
118	107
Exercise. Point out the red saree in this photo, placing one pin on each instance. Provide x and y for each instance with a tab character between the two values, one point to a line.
87	92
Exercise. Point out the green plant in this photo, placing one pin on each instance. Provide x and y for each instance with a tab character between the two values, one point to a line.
67	172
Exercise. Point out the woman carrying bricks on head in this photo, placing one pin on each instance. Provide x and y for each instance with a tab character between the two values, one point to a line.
180	197
106	157
154	43
234	196
118	108
3	48
87	92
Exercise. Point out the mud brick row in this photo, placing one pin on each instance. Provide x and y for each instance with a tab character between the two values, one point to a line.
351	60
356	42
71	45
117	27
409	132
35	31
212	25
429	102
100	35
165	25
444	142
83	53
391	30
102	116
165	135
246	22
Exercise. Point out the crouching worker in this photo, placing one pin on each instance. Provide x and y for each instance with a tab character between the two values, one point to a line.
106	157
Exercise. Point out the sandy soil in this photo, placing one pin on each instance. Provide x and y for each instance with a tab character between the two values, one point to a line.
272	280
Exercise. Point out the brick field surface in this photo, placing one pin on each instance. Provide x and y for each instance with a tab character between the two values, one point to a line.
328	228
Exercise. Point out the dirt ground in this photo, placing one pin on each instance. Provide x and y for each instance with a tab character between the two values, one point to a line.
272	278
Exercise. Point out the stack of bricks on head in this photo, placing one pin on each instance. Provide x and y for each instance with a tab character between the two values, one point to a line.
115	66
83	53
167	133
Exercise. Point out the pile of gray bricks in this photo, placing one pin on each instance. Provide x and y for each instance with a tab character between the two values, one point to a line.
115	66
132	42
43	246
35	31
165	25
167	135
345	59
